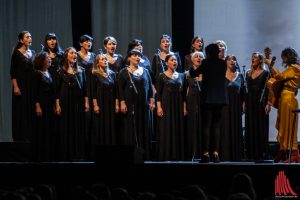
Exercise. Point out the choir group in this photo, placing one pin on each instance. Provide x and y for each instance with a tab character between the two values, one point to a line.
67	102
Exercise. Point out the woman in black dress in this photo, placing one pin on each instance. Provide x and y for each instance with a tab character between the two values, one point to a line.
21	73
115	61
44	141
171	108
194	113
257	110
85	59
137	101
51	46
231	146
71	105
105	103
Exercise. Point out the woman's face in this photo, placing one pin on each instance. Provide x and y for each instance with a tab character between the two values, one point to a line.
165	44
256	60
27	40
87	45
172	63
72	56
102	61
221	49
197	59
110	47
197	45
134	59
231	62
51	43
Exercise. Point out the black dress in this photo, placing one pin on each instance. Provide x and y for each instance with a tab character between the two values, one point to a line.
45	141
256	120
171	137
117	65
88	66
194	118
71	94
136	90
231	147
22	105
104	90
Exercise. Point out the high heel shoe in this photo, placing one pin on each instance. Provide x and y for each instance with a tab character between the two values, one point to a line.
205	159
281	156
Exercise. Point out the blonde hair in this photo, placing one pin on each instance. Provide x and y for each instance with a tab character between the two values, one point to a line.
99	70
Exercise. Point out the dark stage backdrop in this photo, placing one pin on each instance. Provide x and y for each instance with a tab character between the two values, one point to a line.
249	26
129	19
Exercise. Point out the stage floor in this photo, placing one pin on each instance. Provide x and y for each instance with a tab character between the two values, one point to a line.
150	176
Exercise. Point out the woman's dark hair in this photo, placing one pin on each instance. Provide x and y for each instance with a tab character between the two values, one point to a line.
39	60
107	38
20	36
84	38
65	60
57	48
193	41
134	51
291	55
165	36
134	43
169	56
212	51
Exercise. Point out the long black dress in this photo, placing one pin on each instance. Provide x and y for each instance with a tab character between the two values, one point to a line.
45	141
194	118
71	93
104	90
117	65
231	147
22	105
256	120
171	137
88	65
137	122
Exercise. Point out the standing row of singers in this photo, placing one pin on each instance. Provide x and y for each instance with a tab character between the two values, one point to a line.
67	102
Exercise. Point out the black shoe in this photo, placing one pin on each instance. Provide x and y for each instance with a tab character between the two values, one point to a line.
216	158
204	159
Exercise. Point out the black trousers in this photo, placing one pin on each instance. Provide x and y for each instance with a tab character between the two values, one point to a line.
212	116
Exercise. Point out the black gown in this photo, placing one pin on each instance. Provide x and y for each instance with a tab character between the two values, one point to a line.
88	66
137	122
104	90
171	137
231	147
45	141
194	118
256	120
71	93
117	65
23	115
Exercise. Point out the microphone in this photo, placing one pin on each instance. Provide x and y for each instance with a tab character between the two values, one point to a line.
273	60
